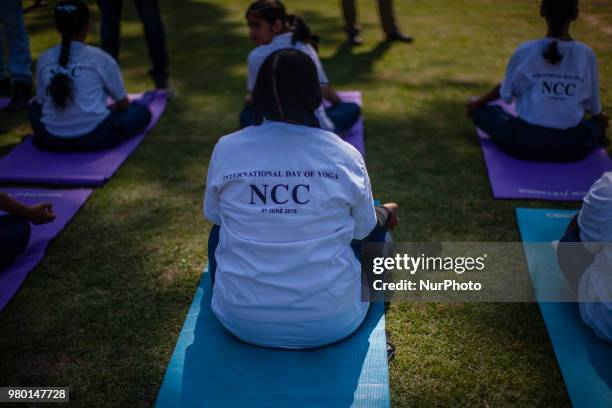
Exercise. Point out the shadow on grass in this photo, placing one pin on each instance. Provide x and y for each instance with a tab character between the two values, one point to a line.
102	311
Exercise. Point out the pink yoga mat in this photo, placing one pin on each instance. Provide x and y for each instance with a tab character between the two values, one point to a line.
26	164
355	135
65	204
512	178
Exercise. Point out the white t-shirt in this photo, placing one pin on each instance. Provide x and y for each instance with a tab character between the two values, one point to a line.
553	96
595	287
595	295
289	200
279	42
95	76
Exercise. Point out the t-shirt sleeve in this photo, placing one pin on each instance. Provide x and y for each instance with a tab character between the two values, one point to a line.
509	84
211	197
254	63
593	104
323	80
111	78
362	211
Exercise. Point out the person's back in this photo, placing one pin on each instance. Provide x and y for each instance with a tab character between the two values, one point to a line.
287	199
272	29
585	257
74	83
289	205
554	81
95	76
553	95
280	41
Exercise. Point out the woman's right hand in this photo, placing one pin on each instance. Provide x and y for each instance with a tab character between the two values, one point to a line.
394	219
41	213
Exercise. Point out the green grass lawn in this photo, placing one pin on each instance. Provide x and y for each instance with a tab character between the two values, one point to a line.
102	311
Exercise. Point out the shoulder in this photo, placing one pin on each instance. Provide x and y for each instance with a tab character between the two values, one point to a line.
232	141
528	46
337	147
258	54
99	54
50	56
583	48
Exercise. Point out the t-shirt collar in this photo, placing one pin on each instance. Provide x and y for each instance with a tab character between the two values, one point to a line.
282	38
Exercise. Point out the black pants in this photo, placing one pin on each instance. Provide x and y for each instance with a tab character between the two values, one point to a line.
376	235
148	10
119	126
530	142
14	238
387	17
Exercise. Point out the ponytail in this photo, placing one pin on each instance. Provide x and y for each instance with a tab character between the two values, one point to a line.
70	17
551	54
60	87
301	31
273	10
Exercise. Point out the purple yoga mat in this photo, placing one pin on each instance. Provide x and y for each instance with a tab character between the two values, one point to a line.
26	164
4	102
65	204
355	135
521	179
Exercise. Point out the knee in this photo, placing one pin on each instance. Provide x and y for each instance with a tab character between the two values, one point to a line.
142	113
18	230
353	110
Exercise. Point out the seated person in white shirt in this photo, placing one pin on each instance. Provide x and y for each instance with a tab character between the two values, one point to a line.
287	199
554	81
271	29
585	256
74	82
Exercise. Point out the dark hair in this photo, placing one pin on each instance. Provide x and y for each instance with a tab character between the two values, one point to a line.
70	17
558	13
272	10
287	89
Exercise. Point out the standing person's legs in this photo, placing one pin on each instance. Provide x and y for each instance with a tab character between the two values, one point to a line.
110	26
389	23
156	40
14	238
349	10
20	62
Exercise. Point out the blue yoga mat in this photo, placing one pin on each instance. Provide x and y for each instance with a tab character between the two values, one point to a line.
211	368
585	360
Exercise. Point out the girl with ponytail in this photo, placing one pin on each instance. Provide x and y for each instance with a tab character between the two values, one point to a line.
284	237
271	29
554	82
74	82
